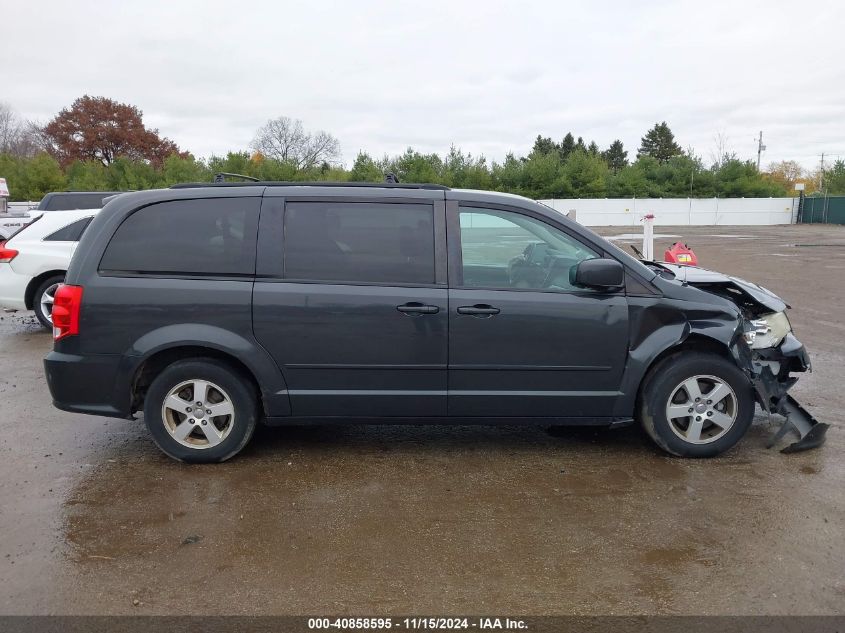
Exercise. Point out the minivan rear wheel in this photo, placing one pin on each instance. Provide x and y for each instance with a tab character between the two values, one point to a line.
42	300
696	404
201	411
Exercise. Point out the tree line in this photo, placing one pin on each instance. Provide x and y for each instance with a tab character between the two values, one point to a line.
100	144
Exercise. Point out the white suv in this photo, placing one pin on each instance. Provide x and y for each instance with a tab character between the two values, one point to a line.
33	262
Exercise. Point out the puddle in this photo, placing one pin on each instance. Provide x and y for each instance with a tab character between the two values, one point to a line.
674	556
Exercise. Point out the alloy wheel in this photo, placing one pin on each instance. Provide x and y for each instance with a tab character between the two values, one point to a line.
702	409
198	414
48	297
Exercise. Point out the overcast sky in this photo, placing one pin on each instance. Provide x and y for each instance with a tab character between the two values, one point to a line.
486	76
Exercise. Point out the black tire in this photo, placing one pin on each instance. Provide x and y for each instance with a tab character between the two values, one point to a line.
45	285
240	391
662	382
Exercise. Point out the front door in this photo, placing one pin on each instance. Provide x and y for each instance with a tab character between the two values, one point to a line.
523	341
356	317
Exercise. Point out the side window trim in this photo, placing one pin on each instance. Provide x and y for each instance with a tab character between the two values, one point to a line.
455	251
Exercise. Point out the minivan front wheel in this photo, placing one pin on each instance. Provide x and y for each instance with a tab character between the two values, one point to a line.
200	411
696	404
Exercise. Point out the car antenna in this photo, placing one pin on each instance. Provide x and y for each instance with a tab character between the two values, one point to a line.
391	179
637	251
221	177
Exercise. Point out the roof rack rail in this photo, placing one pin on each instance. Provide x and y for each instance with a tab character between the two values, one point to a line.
222	175
264	183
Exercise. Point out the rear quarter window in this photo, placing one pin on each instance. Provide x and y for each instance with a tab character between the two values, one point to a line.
202	237
70	233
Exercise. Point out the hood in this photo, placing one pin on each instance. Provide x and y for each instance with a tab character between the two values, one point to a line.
753	299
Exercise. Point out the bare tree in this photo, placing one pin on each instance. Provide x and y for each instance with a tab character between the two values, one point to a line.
721	152
32	140
9	128
17	137
285	139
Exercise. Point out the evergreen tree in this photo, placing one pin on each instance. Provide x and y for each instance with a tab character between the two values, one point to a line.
365	169
566	146
616	156
834	178
544	145
593	149
579	144
659	143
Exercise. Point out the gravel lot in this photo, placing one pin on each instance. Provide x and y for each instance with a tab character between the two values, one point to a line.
439	520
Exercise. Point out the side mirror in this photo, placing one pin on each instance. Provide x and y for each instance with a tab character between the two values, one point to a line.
599	273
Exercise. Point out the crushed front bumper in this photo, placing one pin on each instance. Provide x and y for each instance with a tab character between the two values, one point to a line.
769	371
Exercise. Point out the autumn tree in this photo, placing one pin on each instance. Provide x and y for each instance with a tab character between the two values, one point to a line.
659	143
787	173
97	128
286	140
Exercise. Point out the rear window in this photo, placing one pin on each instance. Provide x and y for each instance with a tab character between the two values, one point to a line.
70	233
202	237
24	227
72	201
359	242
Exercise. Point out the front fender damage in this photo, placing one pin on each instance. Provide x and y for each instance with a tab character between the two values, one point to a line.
769	373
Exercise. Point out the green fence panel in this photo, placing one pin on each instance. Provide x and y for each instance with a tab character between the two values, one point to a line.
836	210
829	210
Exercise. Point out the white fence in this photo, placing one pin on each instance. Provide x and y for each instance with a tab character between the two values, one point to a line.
678	211
667	211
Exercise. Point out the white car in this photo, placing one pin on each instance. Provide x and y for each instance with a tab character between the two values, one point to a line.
20	214
33	262
11	223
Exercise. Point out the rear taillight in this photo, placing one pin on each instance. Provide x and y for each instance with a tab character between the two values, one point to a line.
66	305
7	254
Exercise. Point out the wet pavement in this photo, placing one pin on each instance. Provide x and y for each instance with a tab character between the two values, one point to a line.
445	520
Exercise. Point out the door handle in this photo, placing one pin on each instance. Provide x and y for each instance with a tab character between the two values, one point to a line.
479	309
415	307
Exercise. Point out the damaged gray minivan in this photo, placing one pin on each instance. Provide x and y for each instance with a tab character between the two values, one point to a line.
213	308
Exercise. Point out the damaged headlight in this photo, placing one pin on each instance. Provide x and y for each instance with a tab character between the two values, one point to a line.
767	331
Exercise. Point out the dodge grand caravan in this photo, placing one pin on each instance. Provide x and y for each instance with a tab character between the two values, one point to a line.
213	308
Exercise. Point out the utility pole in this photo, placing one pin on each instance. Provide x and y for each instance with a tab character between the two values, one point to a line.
821	175
760	149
